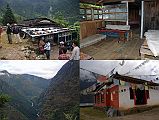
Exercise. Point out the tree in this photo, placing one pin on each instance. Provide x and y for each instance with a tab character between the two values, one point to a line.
8	16
60	19
4	99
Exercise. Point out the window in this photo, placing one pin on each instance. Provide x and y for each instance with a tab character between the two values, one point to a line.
89	11
89	17
131	94
82	14
91	14
117	12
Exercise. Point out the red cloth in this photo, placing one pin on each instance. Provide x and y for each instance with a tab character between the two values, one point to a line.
63	57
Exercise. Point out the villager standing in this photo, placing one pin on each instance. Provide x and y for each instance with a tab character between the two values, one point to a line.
1	30
76	51
47	49
9	32
41	46
16	32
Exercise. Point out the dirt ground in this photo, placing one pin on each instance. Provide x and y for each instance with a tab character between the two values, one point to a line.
147	115
14	51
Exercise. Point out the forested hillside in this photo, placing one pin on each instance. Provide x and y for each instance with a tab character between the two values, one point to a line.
24	9
60	101
23	92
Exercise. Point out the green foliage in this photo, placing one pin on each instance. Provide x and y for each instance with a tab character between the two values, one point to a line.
4	99
19	17
8	16
86	5
60	19
76	27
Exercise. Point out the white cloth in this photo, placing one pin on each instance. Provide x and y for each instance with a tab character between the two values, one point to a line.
153	41
75	53
47	46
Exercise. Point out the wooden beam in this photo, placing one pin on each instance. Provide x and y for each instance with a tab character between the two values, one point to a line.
111	1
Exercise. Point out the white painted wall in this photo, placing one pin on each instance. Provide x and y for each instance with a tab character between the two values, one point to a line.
154	97
124	98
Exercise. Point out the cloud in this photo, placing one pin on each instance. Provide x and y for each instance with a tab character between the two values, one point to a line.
45	69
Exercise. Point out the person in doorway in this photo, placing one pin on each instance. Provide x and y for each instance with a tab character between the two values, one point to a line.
1	30
64	55
76	51
47	49
9	32
16	32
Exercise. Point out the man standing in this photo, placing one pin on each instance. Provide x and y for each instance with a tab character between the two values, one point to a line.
16	32
1	30
47	49
9	31
76	51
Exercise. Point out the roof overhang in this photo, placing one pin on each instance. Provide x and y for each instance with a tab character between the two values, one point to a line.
101	2
134	80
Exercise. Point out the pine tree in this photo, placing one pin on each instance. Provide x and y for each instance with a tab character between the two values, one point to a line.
8	16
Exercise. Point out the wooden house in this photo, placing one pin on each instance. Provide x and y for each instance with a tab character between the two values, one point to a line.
123	92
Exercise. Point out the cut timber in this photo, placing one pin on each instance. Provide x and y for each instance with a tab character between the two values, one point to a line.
84	56
152	38
144	50
92	40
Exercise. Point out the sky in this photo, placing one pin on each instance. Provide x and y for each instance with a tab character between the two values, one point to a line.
147	70
44	69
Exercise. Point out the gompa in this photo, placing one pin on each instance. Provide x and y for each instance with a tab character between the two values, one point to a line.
124	92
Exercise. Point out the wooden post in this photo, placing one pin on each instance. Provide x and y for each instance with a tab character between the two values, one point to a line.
142	19
127	5
92	13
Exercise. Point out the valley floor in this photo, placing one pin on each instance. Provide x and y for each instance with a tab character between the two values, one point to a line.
92	114
14	51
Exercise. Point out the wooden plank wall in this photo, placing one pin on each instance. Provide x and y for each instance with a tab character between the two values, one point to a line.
151	19
134	17
89	28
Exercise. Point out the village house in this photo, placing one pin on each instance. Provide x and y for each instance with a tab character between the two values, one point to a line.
123	92
119	29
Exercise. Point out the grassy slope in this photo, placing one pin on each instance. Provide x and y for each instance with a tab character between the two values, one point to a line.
88	113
